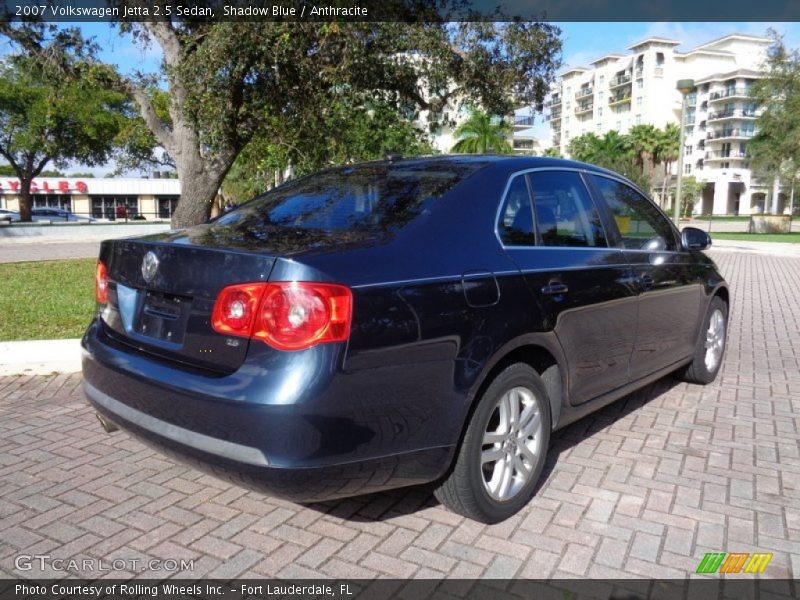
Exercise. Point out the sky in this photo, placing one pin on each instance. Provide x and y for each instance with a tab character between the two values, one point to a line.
582	43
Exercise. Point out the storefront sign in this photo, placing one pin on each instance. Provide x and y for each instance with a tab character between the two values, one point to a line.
47	187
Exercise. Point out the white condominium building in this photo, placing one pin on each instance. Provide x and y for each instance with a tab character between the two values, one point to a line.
618	91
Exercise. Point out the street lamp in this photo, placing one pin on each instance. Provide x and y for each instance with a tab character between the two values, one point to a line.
684	87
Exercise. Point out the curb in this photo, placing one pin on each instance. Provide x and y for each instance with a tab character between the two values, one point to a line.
40	357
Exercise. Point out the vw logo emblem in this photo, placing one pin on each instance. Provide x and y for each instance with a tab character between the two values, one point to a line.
149	266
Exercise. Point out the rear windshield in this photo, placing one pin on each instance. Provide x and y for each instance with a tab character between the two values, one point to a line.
369	198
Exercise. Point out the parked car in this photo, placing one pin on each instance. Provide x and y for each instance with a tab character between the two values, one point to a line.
8	215
401	322
56	214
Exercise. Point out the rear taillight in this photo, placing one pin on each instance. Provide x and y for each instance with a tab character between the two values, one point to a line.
235	309
101	283
286	315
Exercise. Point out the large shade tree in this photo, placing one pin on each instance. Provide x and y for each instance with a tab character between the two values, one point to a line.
774	151
231	82
55	108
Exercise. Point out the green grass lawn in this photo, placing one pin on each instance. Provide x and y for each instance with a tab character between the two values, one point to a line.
736	218
793	238
51	299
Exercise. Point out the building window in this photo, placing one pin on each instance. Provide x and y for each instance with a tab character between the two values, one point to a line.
600	111
110	207
638	100
601	79
618	126
638	119
687	169
63	201
640	83
687	150
166	206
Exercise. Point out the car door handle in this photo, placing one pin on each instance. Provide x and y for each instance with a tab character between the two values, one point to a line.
646	282
555	288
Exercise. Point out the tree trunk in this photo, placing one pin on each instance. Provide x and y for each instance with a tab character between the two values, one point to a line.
201	176
25	199
198	191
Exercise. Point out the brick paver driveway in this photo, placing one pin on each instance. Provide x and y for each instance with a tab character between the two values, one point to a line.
645	487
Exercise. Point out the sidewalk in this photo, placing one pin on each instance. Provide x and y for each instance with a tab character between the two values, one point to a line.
771	248
40	357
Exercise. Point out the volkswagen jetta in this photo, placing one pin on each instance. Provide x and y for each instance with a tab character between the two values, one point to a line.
400	322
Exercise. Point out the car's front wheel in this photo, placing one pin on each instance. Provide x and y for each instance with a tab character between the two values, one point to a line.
710	347
503	452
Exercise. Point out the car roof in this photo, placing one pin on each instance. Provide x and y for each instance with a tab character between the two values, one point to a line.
511	161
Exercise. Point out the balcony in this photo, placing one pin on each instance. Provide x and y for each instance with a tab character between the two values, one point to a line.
523	122
555	115
619	81
584	109
738	113
583	92
739	92
553	102
524	146
619	99
726	155
727	134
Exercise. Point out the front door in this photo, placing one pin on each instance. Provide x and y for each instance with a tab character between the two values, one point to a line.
580	286
670	293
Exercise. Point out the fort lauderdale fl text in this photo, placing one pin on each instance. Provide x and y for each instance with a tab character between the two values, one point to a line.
189	10
139	589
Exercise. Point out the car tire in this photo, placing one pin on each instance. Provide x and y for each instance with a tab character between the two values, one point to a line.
501	457
711	344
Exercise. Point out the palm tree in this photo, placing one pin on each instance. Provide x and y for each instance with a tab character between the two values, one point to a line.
552	152
585	148
644	141
667	152
615	145
481	133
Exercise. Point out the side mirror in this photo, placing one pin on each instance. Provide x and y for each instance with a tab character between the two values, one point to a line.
695	239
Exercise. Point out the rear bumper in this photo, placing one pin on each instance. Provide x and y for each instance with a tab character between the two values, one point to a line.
258	429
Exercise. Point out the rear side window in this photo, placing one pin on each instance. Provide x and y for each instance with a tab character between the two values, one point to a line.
516	218
565	213
369	198
641	225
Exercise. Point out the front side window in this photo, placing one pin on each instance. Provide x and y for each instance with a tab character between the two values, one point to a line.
516	218
565	213
641	225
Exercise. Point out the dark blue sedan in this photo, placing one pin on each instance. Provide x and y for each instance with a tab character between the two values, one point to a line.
401	322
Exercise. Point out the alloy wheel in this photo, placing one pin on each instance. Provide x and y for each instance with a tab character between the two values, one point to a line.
511	444
715	340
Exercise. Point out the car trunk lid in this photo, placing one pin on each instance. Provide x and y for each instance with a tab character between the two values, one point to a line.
161	298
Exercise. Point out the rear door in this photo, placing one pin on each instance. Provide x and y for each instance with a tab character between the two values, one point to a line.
551	228
670	294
